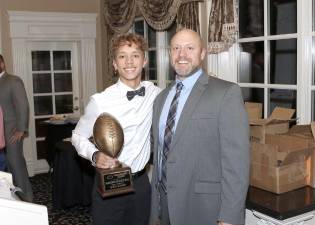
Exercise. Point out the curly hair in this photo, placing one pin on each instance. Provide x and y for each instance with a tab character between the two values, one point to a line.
129	39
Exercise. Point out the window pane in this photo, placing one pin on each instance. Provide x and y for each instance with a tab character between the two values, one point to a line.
40	60
151	37
64	104
152	74
62	60
43	105
283	57
251	18
251	67
282	98
63	82
42	83
253	94
152	65
283	16
139	27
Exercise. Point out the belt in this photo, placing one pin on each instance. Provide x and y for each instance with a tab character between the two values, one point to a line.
138	174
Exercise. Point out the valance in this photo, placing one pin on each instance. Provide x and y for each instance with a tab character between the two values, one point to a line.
159	14
120	14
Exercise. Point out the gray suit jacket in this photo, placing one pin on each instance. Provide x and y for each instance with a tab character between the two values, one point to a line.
13	101
208	163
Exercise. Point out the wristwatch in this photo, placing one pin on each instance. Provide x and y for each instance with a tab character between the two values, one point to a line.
94	158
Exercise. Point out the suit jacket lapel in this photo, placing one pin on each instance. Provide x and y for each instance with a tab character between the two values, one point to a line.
189	106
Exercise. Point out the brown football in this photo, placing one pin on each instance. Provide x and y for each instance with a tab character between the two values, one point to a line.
108	135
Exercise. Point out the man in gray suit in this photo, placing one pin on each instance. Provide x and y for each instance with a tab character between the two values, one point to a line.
13	101
200	143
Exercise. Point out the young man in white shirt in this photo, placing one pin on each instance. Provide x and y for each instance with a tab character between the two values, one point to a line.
134	113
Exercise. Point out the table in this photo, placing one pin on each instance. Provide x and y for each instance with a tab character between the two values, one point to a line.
282	208
14	211
55	133
73	177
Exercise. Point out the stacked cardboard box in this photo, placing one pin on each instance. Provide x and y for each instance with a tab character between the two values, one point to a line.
307	133
276	123
280	157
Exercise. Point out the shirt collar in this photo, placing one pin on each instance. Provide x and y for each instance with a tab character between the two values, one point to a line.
190	81
1	74
124	88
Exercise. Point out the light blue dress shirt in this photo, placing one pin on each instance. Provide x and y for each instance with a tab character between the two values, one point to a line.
188	83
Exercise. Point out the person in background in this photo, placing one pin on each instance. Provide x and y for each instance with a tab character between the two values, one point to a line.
14	103
200	142
2	143
130	101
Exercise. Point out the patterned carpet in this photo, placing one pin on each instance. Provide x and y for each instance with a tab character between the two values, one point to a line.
42	188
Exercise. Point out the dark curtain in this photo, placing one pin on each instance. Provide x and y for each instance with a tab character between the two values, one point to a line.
223	25
159	14
120	14
186	16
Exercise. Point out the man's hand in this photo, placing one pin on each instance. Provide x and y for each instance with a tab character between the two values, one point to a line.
16	136
105	162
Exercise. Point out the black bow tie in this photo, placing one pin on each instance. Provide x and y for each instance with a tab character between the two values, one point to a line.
131	94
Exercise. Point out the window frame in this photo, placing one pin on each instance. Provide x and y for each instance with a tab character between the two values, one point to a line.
303	86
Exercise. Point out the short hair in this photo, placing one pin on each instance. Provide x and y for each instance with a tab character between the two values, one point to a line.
1	58
129	39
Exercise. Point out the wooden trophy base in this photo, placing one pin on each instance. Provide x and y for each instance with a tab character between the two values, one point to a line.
116	181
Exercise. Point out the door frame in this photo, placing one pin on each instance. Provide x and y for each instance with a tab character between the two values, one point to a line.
26	27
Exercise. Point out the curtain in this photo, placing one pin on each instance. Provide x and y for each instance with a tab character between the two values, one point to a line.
119	14
186	16
223	25
159	14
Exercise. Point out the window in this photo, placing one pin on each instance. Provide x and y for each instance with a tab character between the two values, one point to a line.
157	70
268	56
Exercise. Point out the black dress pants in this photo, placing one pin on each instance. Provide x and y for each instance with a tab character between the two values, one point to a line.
128	209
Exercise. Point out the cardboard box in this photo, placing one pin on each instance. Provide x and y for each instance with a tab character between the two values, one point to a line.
281	164
254	110
307	132
276	123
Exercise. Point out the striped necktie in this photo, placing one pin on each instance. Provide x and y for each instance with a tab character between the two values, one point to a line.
168	134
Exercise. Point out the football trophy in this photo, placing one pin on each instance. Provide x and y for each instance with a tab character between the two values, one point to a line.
109	138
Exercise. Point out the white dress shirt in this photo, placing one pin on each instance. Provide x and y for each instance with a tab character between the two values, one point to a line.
2	73
135	117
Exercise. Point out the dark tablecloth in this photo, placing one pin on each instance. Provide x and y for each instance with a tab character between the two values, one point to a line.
281	206
55	133
73	177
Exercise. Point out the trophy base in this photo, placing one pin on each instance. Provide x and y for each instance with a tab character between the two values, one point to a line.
116	181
